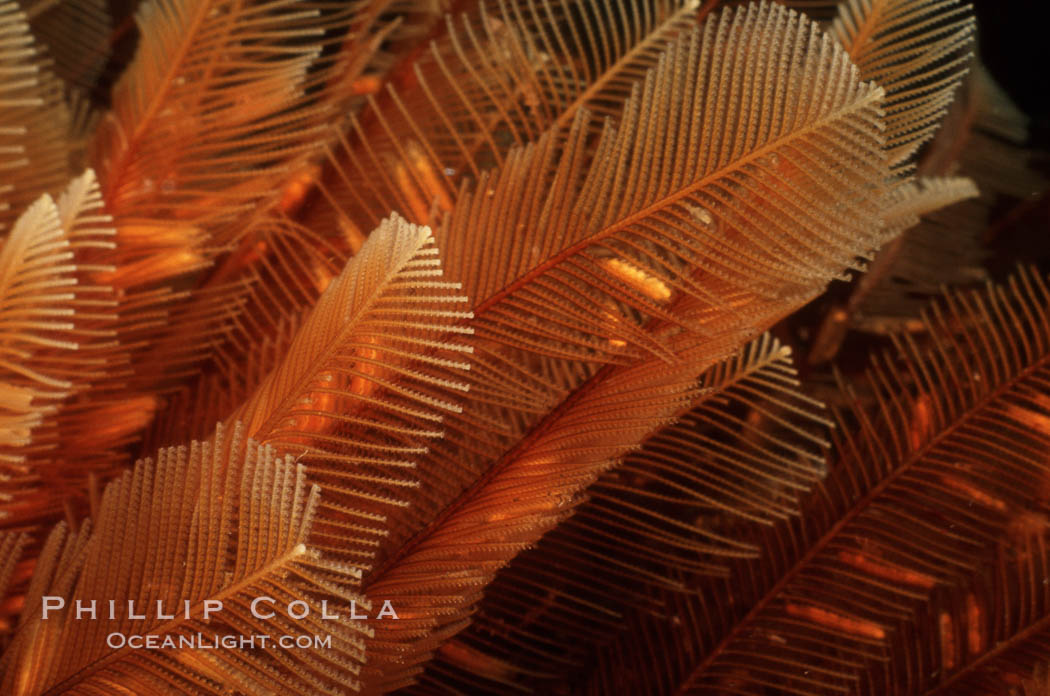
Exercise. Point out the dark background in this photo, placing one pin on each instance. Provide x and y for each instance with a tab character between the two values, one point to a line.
1014	44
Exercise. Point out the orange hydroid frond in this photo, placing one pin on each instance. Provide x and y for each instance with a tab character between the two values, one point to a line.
918	51
49	318
214	524
35	121
904	514
366	381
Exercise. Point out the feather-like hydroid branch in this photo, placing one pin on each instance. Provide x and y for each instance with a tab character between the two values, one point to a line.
976	637
212	127
366	382
564	266
208	120
36	244
225	521
916	197
76	325
202	125
643	224
49	316
935	252
625	198
917	50
904	278
566	262
439	574
665	513
937	475
285	264
34	120
495	80
211	119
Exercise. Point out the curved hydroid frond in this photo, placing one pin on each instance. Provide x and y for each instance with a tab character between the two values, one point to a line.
977	638
925	489
207	122
691	205
747	448
570	271
34	120
223	523
716	461
212	126
496	79
277	268
912	269
28	324
49	317
366	382
922	195
918	51
439	573
540	432
71	322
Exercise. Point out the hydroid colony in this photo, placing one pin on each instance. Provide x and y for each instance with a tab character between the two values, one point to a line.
465	313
